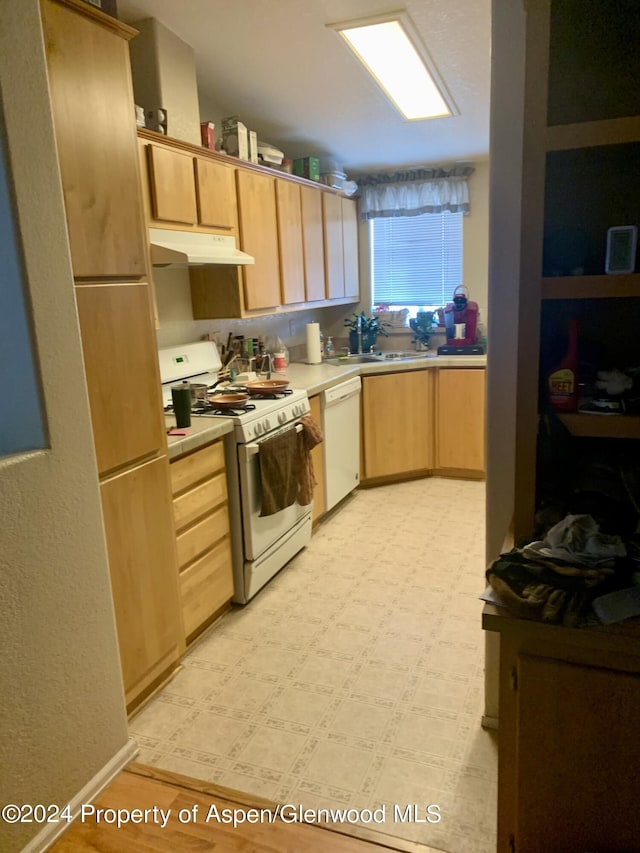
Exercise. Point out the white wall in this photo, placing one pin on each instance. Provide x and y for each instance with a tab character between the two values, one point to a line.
163	68
475	236
62	711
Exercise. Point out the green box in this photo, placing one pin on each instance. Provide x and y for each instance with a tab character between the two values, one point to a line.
307	167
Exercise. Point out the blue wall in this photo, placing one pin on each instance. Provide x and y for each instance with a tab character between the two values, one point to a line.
21	411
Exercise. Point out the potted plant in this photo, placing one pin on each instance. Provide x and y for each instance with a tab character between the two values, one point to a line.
370	327
422	325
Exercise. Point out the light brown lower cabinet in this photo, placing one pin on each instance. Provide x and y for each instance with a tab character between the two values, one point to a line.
317	456
200	509
568	753
138	522
397	411
424	421
460	418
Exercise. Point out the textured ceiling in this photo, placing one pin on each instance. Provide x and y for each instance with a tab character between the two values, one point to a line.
276	65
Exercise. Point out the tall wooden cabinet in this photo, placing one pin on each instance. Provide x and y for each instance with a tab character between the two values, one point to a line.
93	111
568	752
581	158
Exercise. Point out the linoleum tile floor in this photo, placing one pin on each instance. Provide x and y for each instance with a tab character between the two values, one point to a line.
354	679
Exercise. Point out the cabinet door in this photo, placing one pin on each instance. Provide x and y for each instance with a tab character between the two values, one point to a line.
460	432
317	455
141	545
313	243
259	237
172	184
92	102
333	245
398	423
578	756
350	248
290	241
121	365
216	194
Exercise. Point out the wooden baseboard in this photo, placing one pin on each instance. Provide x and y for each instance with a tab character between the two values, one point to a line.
45	838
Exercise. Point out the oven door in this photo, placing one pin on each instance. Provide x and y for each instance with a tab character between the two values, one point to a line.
259	533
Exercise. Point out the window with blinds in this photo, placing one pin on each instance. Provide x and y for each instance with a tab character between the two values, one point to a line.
416	261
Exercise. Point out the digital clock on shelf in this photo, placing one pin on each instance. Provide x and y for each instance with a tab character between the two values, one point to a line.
621	249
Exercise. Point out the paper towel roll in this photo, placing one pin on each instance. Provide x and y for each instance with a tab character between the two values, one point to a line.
314	355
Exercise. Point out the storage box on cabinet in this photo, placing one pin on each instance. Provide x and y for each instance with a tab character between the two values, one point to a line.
200	511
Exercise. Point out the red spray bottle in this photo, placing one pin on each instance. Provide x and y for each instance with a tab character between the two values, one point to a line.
563	379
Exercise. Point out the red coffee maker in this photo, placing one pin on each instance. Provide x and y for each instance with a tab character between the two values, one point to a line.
461	318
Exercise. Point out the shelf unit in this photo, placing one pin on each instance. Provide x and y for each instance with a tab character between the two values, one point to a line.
581	154
591	286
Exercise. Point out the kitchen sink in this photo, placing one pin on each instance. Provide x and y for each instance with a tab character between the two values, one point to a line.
345	360
371	358
404	355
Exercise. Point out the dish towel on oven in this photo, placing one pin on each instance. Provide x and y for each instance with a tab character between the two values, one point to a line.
307	439
279	471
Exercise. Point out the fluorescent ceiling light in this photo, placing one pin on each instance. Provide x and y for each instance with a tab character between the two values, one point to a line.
390	50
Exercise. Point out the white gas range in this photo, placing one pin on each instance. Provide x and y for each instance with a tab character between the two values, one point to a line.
260	545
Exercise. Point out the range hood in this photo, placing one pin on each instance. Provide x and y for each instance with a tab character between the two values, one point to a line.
191	248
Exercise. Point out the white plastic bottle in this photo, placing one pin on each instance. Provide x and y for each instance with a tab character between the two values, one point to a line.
330	350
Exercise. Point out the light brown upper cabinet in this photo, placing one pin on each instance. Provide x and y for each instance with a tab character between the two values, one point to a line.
290	242
216	194
173	190
89	65
313	243
121	363
259	237
333	245
350	247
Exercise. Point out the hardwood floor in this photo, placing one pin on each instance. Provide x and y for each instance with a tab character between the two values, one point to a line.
140	787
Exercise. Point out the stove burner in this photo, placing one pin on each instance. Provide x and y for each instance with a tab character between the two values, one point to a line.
270	395
203	408
215	410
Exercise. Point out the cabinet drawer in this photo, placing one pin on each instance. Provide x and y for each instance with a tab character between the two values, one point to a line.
197	539
200	500
191	469
206	586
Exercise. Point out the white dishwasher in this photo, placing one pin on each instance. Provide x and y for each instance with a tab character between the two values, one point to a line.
341	424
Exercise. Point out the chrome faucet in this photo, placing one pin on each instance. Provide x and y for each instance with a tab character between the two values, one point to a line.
359	332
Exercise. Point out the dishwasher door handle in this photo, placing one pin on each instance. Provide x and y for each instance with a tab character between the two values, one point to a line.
340	399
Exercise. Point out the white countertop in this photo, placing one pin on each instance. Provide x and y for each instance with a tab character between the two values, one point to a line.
202	431
317	377
313	378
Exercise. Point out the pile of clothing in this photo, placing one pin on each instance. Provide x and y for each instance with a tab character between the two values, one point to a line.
554	580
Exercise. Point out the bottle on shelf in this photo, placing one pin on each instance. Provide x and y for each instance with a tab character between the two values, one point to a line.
562	382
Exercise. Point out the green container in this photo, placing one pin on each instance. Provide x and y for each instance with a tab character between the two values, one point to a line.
307	167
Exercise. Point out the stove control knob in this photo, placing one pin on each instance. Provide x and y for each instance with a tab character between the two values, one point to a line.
258	429
266	424
281	417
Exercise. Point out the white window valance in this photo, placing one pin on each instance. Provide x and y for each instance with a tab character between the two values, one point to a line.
414	192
